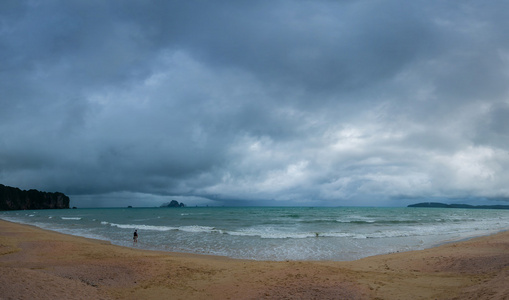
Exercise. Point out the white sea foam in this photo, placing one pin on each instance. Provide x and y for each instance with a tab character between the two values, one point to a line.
302	235
70	218
196	228
192	228
144	227
269	233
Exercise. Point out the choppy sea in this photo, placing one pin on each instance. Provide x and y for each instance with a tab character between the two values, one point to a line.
272	233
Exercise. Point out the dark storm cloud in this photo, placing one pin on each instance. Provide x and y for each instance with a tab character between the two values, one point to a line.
299	102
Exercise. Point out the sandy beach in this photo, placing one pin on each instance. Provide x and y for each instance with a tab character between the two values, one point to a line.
40	264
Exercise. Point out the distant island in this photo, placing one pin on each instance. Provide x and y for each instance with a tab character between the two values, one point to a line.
443	205
173	203
12	198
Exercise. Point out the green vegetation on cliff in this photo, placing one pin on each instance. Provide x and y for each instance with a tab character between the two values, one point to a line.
12	198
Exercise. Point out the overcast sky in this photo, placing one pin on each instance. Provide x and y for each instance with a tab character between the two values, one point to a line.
382	103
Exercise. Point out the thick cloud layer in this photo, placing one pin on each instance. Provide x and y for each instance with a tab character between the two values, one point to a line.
256	102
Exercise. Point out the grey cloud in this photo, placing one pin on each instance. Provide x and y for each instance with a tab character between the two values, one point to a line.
499	118
322	102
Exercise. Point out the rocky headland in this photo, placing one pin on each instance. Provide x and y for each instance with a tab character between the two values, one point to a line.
12	198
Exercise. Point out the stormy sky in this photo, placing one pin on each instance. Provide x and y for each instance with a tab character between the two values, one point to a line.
320	102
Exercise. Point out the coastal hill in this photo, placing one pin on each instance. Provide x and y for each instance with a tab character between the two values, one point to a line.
442	205
12	198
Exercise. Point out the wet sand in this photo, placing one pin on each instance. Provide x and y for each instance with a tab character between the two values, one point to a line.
40	264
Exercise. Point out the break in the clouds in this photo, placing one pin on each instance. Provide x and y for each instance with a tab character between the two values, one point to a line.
256	102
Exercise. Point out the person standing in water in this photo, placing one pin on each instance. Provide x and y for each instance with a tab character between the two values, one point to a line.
135	237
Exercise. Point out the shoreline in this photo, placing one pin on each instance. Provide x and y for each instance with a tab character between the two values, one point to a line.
43	264
429	246
464	239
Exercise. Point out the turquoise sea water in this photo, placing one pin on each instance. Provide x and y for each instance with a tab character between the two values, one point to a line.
272	233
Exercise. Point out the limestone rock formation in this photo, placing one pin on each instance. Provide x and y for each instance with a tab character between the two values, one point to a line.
12	198
173	203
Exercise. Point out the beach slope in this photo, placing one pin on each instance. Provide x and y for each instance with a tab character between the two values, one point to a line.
40	264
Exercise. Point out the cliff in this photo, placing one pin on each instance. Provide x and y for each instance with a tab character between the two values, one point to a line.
12	198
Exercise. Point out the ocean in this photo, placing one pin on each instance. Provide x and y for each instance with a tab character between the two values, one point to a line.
272	233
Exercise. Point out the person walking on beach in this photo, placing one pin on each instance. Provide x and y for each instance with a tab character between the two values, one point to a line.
135	237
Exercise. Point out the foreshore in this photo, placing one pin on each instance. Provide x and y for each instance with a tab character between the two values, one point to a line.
41	264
